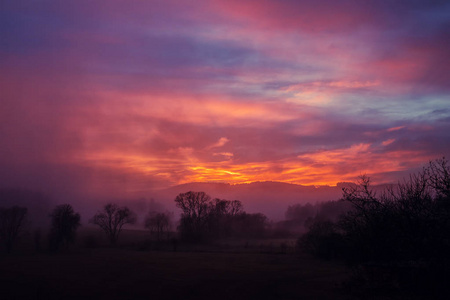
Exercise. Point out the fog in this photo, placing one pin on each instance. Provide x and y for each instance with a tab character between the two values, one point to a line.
269	198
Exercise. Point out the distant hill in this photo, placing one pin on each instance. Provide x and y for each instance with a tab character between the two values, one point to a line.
270	198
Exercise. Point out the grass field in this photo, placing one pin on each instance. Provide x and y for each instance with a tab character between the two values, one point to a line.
127	273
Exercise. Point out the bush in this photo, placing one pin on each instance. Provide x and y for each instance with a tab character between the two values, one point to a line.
322	240
397	240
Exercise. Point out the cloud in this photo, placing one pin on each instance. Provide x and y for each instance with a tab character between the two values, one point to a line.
395	128
131	95
387	142
221	142
228	155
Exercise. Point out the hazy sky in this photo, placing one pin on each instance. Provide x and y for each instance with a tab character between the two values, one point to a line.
112	95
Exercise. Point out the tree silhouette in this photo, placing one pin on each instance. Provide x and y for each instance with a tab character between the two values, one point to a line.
398	236
250	225
158	223
322	240
63	226
195	207
439	176
112	219
203	218
221	216
11	223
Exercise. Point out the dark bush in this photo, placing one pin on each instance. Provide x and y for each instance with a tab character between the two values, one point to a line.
322	240
397	240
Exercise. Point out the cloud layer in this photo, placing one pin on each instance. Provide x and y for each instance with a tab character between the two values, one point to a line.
106	96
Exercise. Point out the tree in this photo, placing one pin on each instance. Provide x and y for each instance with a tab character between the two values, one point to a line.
194	218
322	240
250	225
112	219
300	212
398	238
221	207
64	224
158	223
203	218
11	223
401	233
439	176
221	216
193	204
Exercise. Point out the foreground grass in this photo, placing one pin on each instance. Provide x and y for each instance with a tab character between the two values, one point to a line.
106	273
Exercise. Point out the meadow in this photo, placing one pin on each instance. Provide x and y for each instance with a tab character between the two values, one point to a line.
233	269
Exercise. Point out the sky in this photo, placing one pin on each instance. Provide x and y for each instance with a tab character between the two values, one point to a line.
125	96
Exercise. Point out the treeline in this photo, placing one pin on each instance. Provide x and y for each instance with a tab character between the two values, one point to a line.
202	219
396	240
299	217
64	222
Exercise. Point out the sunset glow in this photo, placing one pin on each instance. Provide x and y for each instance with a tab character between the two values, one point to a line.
160	93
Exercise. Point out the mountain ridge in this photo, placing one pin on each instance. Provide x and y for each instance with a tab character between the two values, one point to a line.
269	197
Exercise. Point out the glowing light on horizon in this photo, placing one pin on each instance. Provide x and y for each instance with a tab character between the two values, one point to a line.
321	168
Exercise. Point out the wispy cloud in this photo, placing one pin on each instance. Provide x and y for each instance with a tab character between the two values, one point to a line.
221	142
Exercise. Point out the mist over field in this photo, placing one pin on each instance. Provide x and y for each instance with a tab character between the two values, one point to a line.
269	198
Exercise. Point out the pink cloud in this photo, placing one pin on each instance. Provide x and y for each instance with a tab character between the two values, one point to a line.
396	128
221	142
310	16
388	142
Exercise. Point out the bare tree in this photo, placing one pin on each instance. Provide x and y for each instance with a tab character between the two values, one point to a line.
112	219
235	208
222	215
400	236
439	174
64	225
225	207
11	223
193	204
158	223
194	219
203	218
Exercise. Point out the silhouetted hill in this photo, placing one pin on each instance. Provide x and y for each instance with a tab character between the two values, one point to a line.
270	198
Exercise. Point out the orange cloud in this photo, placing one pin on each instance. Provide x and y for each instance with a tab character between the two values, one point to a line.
204	110
228	155
326	167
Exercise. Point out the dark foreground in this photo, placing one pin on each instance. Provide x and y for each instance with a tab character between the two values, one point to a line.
105	273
